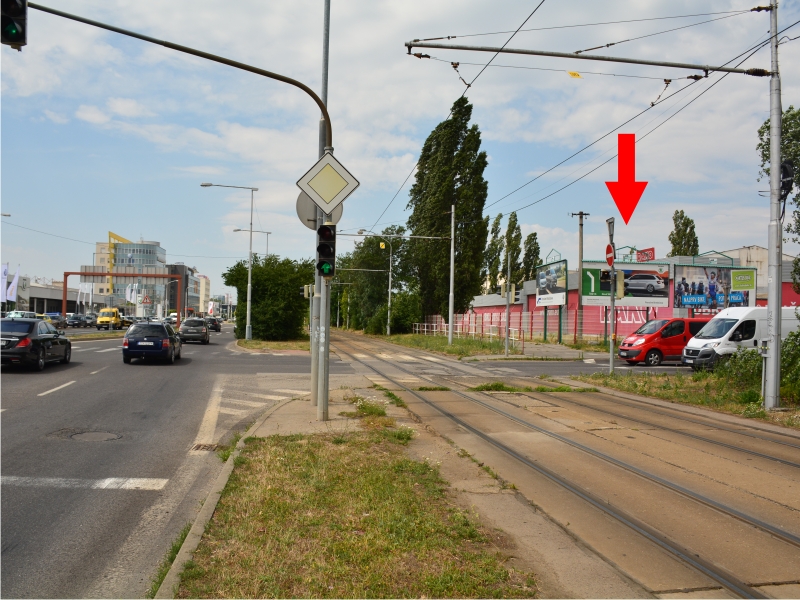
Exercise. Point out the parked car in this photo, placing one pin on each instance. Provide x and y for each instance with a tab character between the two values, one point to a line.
90	319
58	321
644	282
21	314
194	329
659	340
151	340
77	321
214	323
33	343
731	329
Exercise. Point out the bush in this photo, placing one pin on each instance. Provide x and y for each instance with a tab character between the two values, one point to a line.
790	367
742	369
406	310
377	323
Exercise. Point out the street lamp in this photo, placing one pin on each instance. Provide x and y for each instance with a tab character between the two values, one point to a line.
389	312
248	330
258	231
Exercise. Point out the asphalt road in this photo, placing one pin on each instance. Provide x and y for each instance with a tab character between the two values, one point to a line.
98	472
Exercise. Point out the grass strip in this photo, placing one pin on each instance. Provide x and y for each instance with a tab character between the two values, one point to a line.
166	563
299	344
701	388
306	517
393	398
225	452
498	386
563	388
460	347
433	388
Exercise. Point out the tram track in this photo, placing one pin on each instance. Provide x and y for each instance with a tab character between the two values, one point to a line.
674	547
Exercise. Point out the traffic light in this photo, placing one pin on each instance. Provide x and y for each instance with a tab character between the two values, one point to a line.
326	251
620	277
787	178
307	291
14	23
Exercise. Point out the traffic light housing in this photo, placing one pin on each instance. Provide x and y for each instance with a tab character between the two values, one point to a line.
326	250
14	28
620	278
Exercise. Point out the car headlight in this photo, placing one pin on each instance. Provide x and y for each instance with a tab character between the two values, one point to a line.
639	342
712	345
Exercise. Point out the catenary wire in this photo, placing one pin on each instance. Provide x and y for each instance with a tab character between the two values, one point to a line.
553	70
469	85
450	37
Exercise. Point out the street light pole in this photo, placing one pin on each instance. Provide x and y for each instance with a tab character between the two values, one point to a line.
613	290
451	299
248	331
389	312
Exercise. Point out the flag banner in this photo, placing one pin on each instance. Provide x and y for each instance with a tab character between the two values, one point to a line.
11	294
5	281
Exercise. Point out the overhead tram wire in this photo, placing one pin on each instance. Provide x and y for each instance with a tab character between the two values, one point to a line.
755	47
451	37
468	86
553	70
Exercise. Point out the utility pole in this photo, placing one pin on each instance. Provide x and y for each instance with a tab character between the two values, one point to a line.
613	290
579	316
508	295
773	372
452	272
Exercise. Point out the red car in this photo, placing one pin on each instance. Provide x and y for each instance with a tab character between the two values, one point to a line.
659	340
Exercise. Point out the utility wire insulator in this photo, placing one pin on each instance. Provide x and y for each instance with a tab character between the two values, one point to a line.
758	72
420	55
760	8
696	77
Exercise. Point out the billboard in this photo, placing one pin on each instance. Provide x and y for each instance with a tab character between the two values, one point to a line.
646	284
710	286
551	284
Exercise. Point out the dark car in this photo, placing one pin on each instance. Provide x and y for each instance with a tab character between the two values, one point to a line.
151	340
194	329
57	320
91	319
32	342
77	321
214	323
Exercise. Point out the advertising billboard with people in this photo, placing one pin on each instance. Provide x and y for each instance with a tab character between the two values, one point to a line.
646	284
551	284
713	287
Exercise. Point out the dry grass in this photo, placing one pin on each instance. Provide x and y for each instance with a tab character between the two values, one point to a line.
700	388
301	344
461	347
326	517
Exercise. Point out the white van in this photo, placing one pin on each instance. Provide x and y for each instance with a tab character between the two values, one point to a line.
730	329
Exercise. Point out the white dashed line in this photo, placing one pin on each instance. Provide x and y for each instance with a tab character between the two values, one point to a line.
232	411
299	392
84	349
108	350
245	402
98	370
55	389
111	483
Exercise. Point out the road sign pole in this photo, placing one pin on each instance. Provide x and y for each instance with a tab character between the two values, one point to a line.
611	255
322	385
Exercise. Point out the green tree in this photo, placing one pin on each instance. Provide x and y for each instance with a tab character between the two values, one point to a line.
513	250
683	238
492	255
278	310
790	149
530	258
449	172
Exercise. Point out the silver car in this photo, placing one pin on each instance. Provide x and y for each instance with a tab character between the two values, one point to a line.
645	282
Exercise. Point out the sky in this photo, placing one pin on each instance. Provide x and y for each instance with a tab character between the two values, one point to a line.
103	132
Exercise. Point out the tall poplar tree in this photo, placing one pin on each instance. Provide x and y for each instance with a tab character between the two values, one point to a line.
494	250
449	172
683	238
530	257
513	251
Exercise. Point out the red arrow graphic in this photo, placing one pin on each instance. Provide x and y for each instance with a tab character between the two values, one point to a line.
626	191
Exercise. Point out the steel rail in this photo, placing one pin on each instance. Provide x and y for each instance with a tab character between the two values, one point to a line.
725	579
713	504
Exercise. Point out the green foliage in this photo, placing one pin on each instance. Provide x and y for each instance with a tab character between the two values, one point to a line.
790	367
790	149
449	172
406	310
754	410
742	369
278	311
491	256
683	237
377	323
513	250
530	257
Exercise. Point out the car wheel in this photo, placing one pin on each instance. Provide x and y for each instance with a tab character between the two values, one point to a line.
205	341
126	360
98	328
653	358
39	364
67	356
650	288
631	362
180	350
171	359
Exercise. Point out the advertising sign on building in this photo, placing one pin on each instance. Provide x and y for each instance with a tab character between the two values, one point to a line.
646	285
710	286
551	284
646	255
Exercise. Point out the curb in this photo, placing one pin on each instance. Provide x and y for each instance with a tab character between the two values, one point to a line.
169	586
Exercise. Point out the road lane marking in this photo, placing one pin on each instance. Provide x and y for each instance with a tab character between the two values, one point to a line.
110	483
245	402
205	434
215	352
84	349
55	389
109	349
98	370
300	392
233	411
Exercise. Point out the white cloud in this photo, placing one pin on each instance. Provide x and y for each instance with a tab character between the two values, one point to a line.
92	114
56	117
127	107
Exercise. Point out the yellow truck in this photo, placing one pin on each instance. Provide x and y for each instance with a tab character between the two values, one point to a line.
109	318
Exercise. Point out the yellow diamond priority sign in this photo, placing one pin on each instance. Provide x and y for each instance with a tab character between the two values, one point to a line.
328	183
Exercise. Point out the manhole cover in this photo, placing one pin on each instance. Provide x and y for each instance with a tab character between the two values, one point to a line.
95	436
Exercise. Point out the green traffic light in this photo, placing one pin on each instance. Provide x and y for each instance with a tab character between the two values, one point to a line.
327	268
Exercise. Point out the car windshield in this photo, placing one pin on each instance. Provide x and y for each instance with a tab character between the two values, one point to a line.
194	323
146	331
106	313
716	328
15	327
651	326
